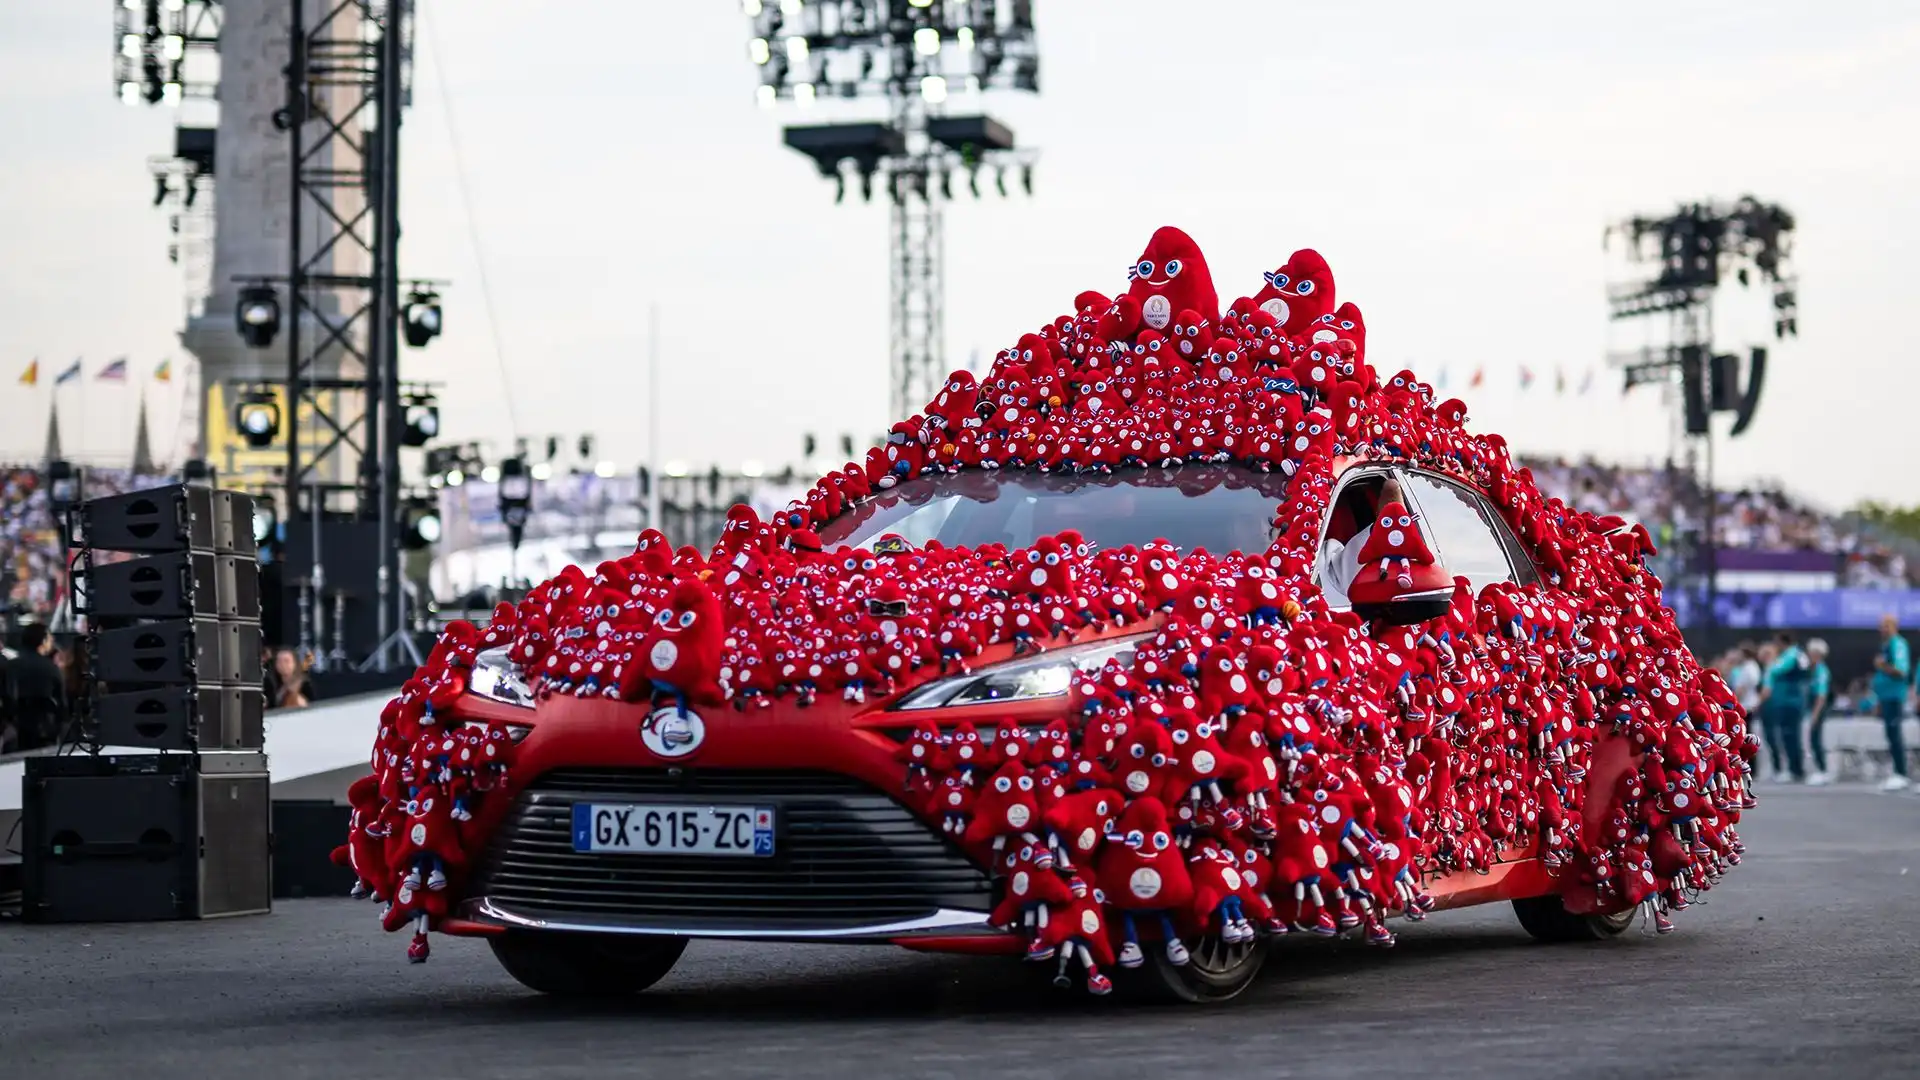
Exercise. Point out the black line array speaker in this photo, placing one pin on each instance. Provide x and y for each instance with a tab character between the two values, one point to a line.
172	717
175	518
141	837
178	585
1693	388
173	634
180	651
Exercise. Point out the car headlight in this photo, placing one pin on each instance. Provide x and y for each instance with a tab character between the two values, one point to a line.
1049	674
496	679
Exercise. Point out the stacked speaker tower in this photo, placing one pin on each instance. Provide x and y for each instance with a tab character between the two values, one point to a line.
158	806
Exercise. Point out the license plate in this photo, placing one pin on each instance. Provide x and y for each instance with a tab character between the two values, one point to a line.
673	829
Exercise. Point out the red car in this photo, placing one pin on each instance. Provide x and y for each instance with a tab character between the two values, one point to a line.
977	696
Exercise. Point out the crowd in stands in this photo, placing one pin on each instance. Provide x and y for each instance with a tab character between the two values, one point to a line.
1668	500
32	566
1672	504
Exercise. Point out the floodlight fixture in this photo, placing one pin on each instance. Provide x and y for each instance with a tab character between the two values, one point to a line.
258	315
421	316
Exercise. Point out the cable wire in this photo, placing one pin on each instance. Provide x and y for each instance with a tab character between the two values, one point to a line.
466	208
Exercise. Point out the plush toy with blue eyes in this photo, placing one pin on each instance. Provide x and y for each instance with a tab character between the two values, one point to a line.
1394	547
1192	334
1344	324
1169	277
1299	292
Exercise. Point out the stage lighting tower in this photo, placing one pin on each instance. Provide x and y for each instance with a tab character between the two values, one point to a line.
1690	251
923	58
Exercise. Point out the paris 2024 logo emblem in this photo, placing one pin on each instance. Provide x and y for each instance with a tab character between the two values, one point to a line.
671	733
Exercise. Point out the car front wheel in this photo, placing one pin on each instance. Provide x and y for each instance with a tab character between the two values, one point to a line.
1547	919
1215	971
587	965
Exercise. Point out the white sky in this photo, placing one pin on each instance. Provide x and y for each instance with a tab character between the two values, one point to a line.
1456	169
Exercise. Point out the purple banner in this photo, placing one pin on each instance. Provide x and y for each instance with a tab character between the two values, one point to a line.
1838	609
1778	562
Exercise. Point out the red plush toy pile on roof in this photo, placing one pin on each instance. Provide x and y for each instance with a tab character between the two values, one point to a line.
1261	764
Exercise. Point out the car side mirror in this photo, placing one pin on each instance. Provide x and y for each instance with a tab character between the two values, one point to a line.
1407	608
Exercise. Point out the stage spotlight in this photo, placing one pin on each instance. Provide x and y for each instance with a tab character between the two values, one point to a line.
422	317
257	416
422	524
516	497
258	315
423	424
63	487
585	446
160	189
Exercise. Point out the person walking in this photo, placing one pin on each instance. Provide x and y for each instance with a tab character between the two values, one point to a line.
1892	673
1783	707
1820	690
1744	679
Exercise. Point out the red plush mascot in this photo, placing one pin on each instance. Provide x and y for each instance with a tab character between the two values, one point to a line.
1169	277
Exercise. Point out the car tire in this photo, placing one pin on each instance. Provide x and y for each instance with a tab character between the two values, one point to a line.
587	965
1214	973
1547	919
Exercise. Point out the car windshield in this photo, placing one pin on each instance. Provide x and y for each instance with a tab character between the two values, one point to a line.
1217	507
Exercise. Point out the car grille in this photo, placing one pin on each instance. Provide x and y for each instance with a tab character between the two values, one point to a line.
846	856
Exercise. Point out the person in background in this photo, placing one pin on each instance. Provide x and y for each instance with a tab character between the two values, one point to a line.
1892	673
287	686
1744	679
9	734
1820	690
1783	707
37	689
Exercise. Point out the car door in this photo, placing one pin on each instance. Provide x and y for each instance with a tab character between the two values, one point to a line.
1467	534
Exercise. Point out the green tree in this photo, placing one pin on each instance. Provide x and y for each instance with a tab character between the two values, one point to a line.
1901	521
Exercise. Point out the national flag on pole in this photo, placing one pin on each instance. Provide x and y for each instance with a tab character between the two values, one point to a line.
31	376
72	372
1479	376
1526	377
163	373
1586	382
114	372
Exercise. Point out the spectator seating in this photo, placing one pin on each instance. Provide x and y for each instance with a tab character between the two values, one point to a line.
32	566
1672	504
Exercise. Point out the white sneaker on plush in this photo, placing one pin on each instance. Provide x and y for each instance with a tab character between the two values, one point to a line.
1818	779
1896	782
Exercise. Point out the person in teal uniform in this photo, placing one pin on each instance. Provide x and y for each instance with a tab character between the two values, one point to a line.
1820	695
1783	708
1892	677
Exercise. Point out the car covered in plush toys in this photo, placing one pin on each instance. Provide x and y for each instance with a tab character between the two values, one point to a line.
1178	632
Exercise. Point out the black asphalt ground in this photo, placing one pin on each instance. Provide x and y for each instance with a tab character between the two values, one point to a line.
1805	962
